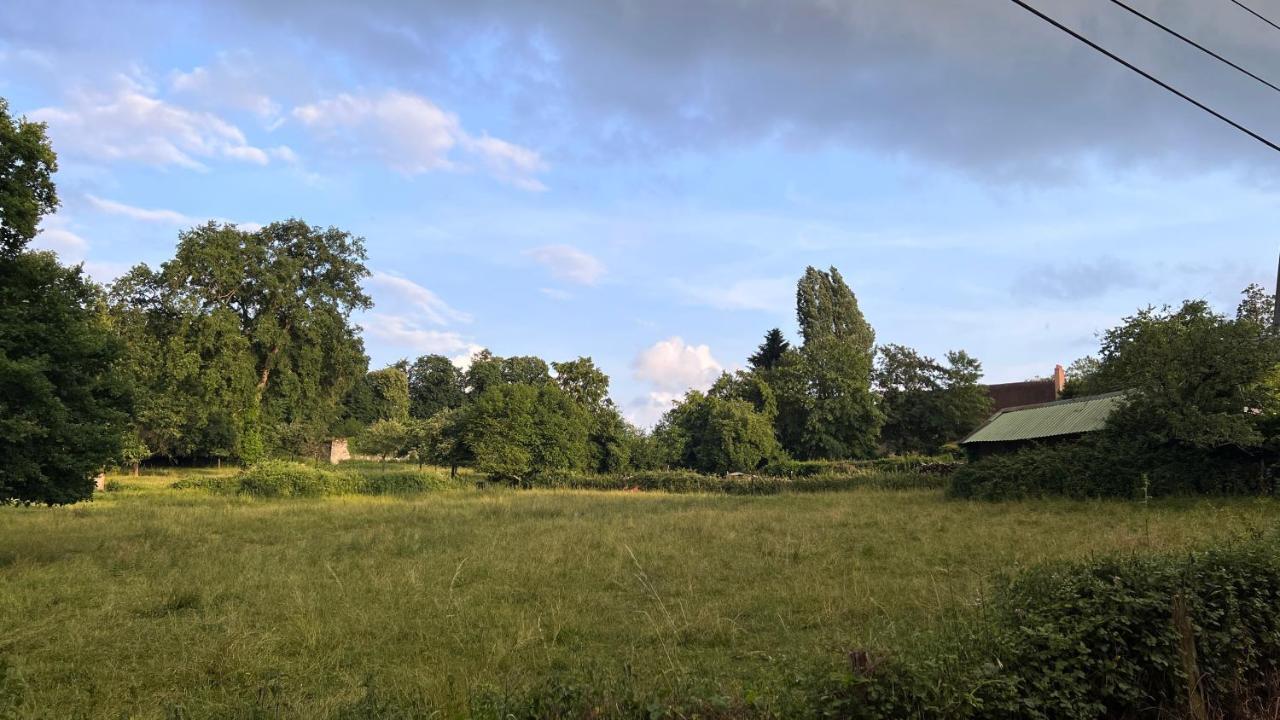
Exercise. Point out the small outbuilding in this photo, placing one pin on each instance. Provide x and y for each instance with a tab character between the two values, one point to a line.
1062	420
335	451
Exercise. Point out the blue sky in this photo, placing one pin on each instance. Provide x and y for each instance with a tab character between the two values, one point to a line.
644	182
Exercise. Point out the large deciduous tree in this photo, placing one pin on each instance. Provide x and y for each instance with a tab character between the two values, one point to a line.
27	190
1192	377
63	405
517	429
269	309
717	435
927	404
435	384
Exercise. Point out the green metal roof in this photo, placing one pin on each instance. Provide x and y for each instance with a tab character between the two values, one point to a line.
1051	419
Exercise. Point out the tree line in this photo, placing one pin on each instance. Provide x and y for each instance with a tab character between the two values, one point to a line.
242	346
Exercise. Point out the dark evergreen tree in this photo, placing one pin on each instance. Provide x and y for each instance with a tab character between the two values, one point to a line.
771	351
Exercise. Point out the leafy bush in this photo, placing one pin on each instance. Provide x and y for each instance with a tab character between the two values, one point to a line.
896	463
401	481
277	478
687	481
1110	637
1105	466
219	484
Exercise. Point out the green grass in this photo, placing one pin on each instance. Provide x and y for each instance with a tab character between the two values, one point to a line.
157	603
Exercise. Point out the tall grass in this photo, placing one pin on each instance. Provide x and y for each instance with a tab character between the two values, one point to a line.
158	603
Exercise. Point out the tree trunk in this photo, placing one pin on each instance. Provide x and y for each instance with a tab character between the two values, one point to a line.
266	369
137	469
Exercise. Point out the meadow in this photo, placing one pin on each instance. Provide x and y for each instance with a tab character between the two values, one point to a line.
153	602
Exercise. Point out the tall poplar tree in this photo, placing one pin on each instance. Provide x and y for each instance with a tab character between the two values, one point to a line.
825	406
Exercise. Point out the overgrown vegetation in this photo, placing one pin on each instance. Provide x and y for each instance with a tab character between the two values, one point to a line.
1200	414
282	479
63	405
1186	635
473	602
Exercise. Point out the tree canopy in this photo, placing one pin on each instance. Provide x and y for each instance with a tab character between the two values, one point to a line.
242	334
927	404
770	352
27	190
63	403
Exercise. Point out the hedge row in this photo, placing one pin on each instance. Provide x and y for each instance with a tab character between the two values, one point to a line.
897	463
1102	466
276	479
1119	637
685	481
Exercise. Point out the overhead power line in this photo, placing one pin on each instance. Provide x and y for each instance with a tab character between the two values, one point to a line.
1192	43
1256	14
1146	74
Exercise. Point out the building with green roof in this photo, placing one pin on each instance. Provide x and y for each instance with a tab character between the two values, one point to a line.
1017	427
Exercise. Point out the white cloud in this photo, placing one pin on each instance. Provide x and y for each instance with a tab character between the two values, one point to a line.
767	294
509	162
673	366
56	235
160	215
404	334
556	293
569	263
128	124
231	81
646	411
423	301
112	207
413	135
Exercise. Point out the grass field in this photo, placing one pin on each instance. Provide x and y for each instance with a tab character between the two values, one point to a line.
159	603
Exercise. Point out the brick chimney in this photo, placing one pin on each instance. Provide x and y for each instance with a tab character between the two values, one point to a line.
1059	379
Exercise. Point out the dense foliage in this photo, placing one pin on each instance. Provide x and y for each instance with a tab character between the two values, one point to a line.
1110	465
62	402
927	404
1130	636
713	434
1201	402
244	338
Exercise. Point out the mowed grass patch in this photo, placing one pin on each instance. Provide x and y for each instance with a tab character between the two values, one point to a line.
158	603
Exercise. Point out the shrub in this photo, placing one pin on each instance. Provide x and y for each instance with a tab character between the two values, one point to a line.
1110	637
276	478
687	481
400	481
220	484
1105	466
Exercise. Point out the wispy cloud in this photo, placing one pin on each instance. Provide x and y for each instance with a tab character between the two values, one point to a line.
405	334
569	263
112	207
420	299
767	294
127	123
413	135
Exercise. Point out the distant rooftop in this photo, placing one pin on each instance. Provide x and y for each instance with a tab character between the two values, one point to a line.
1050	419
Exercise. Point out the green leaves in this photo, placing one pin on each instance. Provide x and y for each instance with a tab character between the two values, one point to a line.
27	192
62	400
